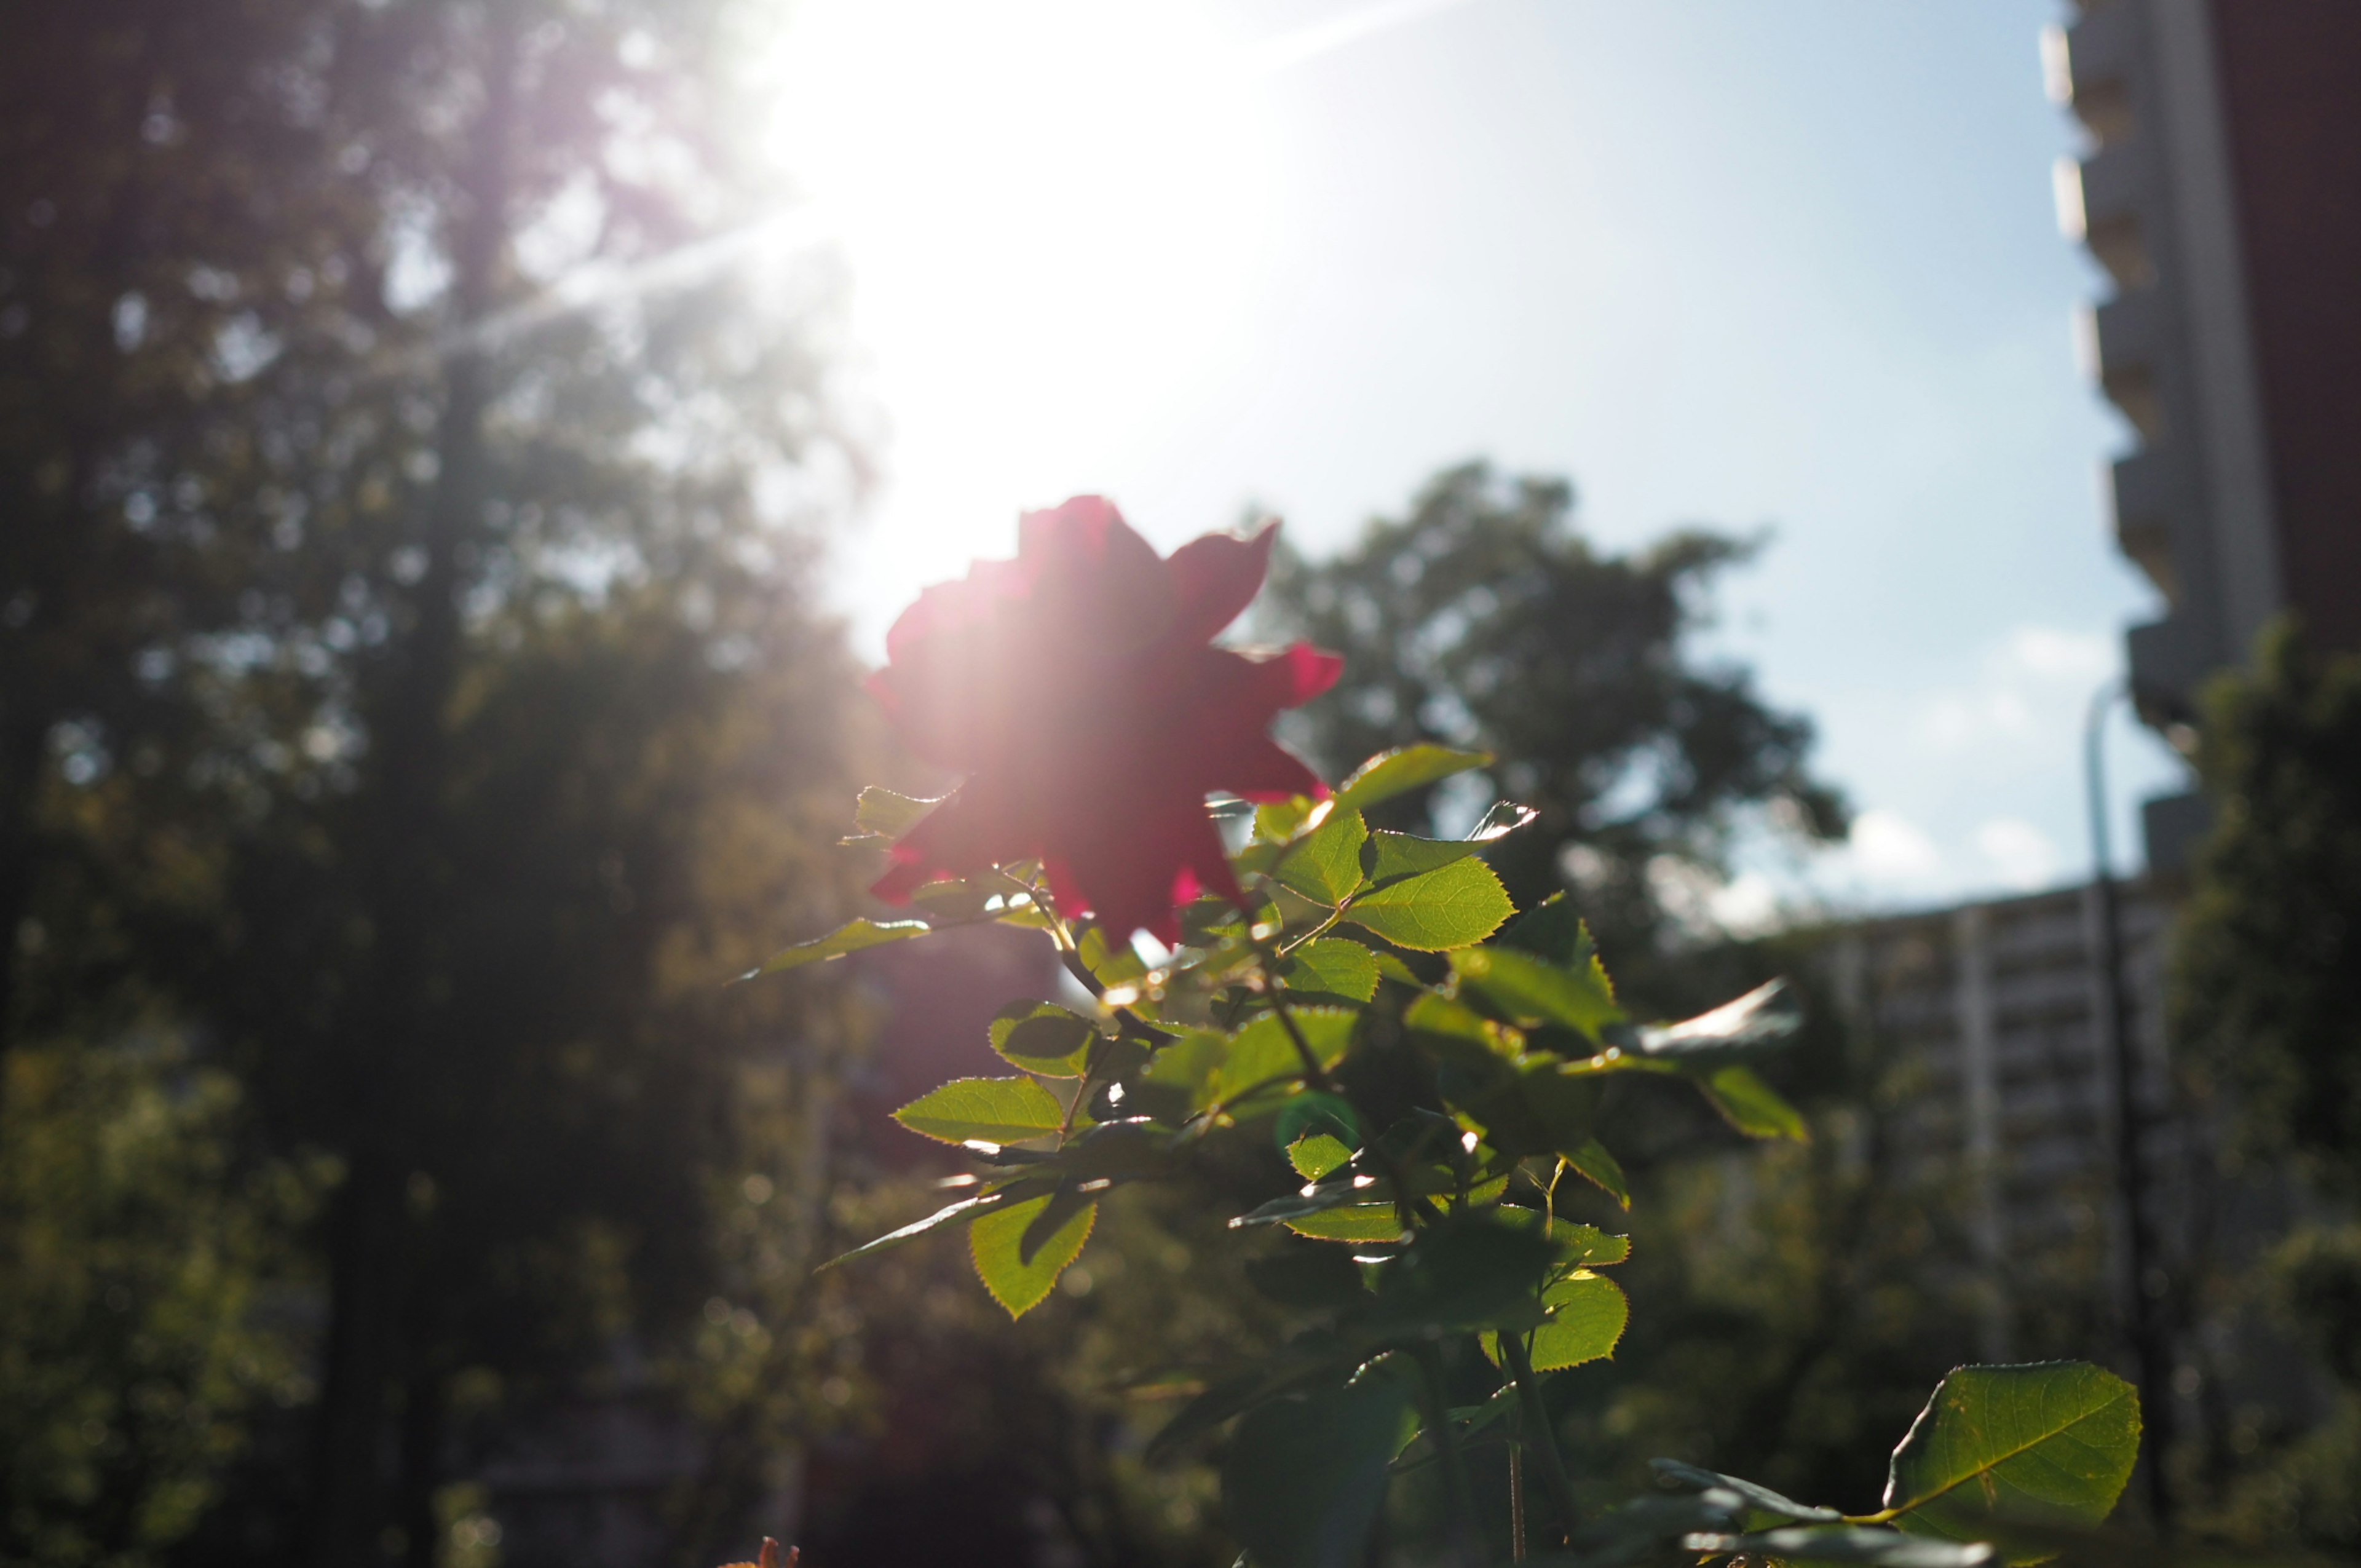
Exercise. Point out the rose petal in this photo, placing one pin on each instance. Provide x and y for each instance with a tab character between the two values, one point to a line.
1098	586
1214	578
1265	770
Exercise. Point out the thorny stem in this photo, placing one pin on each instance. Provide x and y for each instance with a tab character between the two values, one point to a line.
1454	1464
1538	1434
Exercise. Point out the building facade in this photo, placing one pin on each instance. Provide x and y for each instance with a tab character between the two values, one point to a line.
2222	194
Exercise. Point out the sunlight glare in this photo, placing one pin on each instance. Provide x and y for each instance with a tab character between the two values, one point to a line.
1053	210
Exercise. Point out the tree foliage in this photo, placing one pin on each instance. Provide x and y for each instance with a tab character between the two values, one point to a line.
1483	618
2268	966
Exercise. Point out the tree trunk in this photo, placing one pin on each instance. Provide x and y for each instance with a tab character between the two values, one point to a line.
347	1490
421	1467
389	1101
20	783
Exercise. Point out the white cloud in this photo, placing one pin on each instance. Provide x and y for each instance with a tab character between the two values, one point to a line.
1889	848
2079	659
2034	682
2019	854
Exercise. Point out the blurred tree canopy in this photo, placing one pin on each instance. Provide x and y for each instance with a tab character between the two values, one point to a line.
2265	997
1483	618
2267	982
411	704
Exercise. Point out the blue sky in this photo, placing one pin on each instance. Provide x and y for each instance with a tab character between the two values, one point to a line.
1790	268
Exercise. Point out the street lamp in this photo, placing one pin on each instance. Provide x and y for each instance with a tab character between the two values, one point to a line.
2144	1317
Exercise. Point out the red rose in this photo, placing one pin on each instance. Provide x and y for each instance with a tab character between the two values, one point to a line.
1076	688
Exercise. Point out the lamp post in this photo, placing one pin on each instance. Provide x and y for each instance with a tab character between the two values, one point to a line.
2143	1315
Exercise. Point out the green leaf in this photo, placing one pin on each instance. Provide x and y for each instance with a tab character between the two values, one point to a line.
883	814
1324	865
1532	988
1110	964
1591	1247
1578	1246
1277	821
984	1110
2050	1442
1761	1499
1591	1161
1336	966
1179	1081
966	1208
1305	1474
1263	1050
1390	857
1752	1106
1050	1223
1454	1020
1588	1313
1317	1154
1763	1016
1389	774
1350	1223
1875	1548
1313	1112
1043	1037
1553	929
1468	1273
849	938
994	1242
1455	907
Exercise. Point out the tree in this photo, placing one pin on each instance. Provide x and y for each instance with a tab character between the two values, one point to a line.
444	640
2267	984
168	214
1482	618
141	1250
2264	993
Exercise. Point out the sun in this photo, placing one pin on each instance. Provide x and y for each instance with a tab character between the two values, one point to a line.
1054	211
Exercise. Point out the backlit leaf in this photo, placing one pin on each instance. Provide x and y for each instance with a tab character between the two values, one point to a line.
1264	1050
1468	1273
1110	963
1324	865
1389	774
2049	1442
1763	1016
984	1110
1530	988
1870	1548
1455	907
849	938
1179	1077
1277	821
1752	1106
1350	1222
1587	1314
1336	966
1591	1161
1761	1498
1043	1037
966	1208
993	1241
883	814
1317	1154
1390	857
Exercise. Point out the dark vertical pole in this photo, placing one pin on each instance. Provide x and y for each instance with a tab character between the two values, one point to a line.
2144	1310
